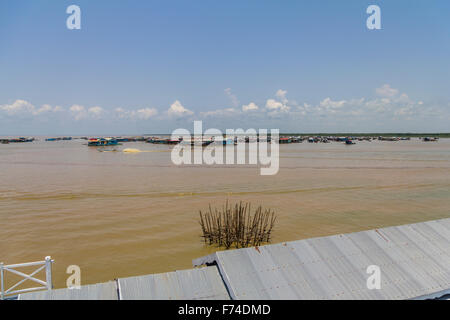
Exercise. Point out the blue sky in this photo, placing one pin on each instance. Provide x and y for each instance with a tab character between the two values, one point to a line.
153	66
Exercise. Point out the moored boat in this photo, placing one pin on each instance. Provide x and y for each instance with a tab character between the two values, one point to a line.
100	142
349	141
284	140
21	139
164	141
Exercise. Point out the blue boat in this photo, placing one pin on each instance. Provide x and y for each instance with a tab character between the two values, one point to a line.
164	141
21	139
228	141
100	142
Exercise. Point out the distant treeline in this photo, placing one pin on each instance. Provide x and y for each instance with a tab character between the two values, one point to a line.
412	135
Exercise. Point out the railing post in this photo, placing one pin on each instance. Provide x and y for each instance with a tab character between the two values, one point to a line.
2	280
48	272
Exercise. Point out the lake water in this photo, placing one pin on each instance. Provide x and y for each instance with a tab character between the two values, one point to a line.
121	214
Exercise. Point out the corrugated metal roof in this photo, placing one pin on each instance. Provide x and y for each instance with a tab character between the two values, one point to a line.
99	291
414	261
194	284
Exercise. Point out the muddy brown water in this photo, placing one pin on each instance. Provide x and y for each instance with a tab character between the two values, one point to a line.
121	214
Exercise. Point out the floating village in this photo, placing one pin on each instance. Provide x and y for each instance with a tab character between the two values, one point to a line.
204	141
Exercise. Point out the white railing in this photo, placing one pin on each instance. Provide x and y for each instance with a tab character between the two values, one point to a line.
47	284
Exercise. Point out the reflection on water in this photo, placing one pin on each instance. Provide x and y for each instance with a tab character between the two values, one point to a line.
119	214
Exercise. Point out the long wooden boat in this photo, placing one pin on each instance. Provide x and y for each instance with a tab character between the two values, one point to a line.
100	142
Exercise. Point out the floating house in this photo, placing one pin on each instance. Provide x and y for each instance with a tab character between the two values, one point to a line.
349	141
284	140
21	139
163	141
100	142
59	139
228	141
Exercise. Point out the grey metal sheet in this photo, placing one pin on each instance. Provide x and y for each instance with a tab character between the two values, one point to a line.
442	222
289	262
409	276
194	284
432	257
359	262
99	291
414	261
424	269
245	275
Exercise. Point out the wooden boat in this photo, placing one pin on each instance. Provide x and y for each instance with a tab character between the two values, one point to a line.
21	139
284	140
197	142
228	141
164	141
202	143
296	140
59	139
100	142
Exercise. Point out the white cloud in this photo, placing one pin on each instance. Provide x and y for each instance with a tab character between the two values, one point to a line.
46	108
250	107
272	104
275	107
327	103
404	111
77	108
389	105
177	110
96	111
227	112
145	113
121	112
386	91
281	94
304	109
140	114
43	109
403	98
233	98
25	108
78	112
18	106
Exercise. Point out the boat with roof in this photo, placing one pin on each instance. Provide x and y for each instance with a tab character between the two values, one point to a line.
101	142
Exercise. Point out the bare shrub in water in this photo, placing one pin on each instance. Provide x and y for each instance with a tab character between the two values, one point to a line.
236	225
